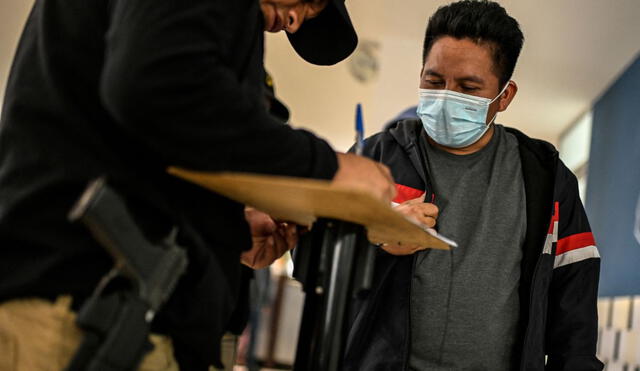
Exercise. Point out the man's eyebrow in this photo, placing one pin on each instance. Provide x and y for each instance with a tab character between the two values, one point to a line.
471	78
431	72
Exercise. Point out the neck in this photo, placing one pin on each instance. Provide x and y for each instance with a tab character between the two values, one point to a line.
475	147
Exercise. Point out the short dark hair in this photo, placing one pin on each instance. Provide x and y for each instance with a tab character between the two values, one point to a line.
483	22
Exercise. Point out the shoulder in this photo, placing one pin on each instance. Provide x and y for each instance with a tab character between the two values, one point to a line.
537	146
566	183
406	128
536	154
397	135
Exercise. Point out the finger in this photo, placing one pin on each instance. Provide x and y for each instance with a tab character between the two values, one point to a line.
429	222
292	238
270	242
418	207
250	258
431	209
415	201
418	216
260	223
282	230
385	171
425	221
426	209
258	242
281	246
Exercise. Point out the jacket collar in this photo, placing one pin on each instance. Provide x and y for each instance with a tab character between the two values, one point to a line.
407	134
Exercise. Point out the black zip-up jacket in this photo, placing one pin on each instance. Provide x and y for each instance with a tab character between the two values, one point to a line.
126	88
559	272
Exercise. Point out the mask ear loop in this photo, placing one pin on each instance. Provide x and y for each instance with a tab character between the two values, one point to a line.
494	99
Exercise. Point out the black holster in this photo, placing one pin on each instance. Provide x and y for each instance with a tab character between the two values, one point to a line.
116	319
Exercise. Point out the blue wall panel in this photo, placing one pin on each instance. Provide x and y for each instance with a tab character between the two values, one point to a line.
613	184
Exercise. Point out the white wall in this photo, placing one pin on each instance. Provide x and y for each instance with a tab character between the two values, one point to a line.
575	147
12	17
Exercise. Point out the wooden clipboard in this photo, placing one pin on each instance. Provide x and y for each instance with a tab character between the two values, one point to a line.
303	200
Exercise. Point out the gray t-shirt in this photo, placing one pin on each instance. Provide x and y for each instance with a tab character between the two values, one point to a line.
464	302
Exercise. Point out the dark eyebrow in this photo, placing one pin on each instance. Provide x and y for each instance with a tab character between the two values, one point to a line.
431	72
475	79
470	78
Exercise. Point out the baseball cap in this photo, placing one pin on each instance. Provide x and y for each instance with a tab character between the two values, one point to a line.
328	38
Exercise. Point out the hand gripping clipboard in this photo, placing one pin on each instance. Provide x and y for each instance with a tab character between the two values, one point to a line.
303	200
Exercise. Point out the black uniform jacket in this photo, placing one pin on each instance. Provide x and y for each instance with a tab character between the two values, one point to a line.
126	88
559	269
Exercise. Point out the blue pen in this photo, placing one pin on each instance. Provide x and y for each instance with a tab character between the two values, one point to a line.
359	130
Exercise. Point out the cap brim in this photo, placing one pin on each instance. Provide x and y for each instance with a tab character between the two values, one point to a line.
328	38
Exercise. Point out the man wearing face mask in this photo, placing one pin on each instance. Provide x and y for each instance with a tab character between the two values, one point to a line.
522	283
125	89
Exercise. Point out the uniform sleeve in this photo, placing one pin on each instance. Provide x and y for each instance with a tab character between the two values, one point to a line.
571	334
171	80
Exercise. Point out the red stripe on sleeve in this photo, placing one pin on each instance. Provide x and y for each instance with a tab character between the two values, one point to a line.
406	193
555	217
575	241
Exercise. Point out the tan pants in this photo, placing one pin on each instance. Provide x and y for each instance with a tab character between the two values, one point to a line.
37	335
228	352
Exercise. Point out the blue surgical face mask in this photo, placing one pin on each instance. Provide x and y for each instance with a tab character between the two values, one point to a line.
454	119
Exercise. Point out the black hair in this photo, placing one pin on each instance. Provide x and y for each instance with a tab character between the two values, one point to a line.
483	22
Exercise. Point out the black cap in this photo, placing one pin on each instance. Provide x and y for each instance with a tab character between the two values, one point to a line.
328	38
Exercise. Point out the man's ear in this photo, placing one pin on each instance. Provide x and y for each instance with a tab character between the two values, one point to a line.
507	96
